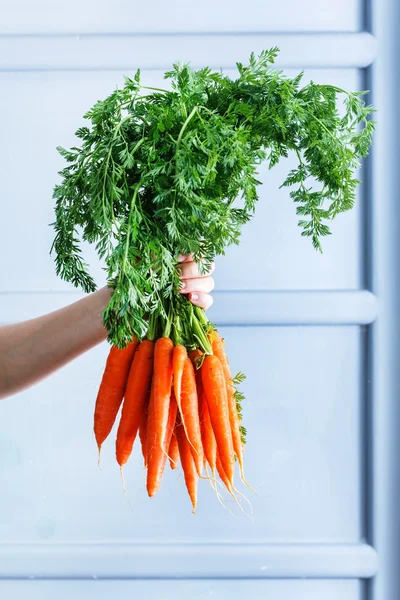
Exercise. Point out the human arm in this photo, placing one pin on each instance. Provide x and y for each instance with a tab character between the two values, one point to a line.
32	350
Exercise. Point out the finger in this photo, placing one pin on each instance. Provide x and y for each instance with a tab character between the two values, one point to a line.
201	299
184	258
190	270
200	284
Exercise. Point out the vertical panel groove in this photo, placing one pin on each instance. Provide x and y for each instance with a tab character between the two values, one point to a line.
385	334
368	249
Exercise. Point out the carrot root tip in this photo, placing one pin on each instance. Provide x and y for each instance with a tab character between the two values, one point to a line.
98	456
250	515
122	478
246	483
171	460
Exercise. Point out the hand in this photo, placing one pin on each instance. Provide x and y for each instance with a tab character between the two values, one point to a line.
197	286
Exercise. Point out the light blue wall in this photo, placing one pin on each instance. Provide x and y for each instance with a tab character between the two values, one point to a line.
321	395
384	342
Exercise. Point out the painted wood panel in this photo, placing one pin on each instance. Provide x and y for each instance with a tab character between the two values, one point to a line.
120	16
171	590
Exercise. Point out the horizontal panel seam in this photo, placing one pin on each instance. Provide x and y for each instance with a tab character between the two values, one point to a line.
353	50
253	561
241	308
233	33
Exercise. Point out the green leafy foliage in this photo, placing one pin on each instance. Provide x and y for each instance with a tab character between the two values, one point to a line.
239	398
158	172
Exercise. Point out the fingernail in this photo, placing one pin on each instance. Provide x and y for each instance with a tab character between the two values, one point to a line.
183	285
194	296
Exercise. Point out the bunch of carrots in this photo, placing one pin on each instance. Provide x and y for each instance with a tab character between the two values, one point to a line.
157	174
183	403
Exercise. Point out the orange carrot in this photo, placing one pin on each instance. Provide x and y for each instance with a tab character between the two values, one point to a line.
162	383
178	362
199	385
173	452
172	414
143	430
219	351
135	398
200	395
111	390
156	454
207	435
193	354
189	410
188	466
215	393
200	392
222	474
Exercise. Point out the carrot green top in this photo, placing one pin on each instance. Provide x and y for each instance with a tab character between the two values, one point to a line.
163	172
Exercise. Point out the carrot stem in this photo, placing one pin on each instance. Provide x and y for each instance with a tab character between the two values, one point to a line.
177	335
199	332
152	330
168	323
